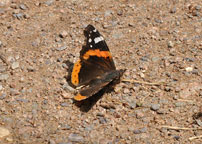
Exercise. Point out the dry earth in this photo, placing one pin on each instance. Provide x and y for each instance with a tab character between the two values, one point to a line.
157	41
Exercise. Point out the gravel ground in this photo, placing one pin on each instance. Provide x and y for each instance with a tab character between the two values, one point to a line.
156	41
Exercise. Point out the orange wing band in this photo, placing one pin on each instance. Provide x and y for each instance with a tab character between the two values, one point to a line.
97	53
79	97
75	73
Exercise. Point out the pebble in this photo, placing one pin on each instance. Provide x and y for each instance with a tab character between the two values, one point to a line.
179	104
170	44
1	43
63	34
189	69
155	107
49	2
4	76
125	91
3	96
142	130
173	10
15	65
66	127
108	13
4	132
22	7
75	137
64	104
18	15
61	48
176	137
2	68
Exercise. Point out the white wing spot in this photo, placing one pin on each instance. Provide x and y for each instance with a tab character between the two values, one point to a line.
91	46
90	40
90	31
94	30
89	35
98	39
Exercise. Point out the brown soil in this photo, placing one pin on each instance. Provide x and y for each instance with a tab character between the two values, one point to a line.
156	41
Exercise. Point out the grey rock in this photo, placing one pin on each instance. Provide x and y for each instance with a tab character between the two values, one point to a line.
173	10
1	87
2	68
75	137
22	100
64	104
1	43
61	48
23	7
198	7
199	122
3	96
142	130
67	87
155	107
108	13
132	104
18	15
66	127
179	104
63	34
15	65
170	44
4	76
49	2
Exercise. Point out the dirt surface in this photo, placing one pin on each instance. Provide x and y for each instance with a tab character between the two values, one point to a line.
156	41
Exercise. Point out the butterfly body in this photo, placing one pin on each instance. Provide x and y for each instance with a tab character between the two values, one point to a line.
95	69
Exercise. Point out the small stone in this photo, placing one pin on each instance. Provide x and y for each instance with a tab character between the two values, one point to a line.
1	87
132	104
126	91
119	12
179	104
49	2
22	7
2	68
61	48
66	127
197	7
176	137
18	15
142	130
66	95
15	65
3	96
64	104
30	69
4	132
170	44
155	107
63	34
75	137
173	10
108	13
189	69
4	76
199	122
67	87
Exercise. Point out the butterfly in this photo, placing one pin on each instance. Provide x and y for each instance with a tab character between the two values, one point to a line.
95	69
